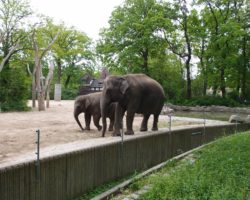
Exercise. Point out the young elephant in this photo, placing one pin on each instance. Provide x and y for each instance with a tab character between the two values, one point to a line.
90	105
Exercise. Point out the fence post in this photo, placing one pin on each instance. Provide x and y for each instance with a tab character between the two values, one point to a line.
121	156
170	122
38	155
204	126
170	134
236	124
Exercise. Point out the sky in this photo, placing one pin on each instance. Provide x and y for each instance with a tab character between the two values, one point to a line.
88	16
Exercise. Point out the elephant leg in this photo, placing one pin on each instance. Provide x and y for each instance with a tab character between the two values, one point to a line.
119	113
155	123
129	121
111	124
87	117
144	124
96	122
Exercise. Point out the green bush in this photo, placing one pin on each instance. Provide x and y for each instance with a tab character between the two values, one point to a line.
14	89
69	94
209	101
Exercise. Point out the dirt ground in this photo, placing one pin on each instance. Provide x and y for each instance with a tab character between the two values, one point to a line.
57	126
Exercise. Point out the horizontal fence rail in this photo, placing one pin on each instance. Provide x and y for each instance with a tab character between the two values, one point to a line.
71	174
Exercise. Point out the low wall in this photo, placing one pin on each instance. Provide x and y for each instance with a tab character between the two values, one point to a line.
245	110
71	174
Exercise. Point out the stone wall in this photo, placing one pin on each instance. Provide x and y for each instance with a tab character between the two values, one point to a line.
245	110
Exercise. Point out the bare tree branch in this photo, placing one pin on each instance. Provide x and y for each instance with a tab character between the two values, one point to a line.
12	50
50	45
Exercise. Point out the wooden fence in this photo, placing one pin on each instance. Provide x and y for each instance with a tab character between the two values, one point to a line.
71	174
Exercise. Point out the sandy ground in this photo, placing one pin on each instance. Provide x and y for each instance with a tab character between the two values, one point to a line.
57	126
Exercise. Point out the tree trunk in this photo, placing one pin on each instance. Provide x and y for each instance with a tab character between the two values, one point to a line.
41	101
47	96
67	81
189	90
244	70
33	92
39	87
204	79
203	67
59	70
145	61
58	88
222	82
214	89
48	82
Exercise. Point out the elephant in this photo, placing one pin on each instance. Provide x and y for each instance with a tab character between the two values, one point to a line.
90	105
134	93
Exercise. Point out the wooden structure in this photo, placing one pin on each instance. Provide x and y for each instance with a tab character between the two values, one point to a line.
90	84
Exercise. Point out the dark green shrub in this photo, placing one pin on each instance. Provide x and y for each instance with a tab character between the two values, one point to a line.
14	89
69	94
209	101
234	95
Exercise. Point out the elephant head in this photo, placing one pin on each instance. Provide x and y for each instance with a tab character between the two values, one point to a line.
80	106
114	88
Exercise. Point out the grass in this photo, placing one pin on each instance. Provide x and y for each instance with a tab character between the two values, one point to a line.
221	171
103	188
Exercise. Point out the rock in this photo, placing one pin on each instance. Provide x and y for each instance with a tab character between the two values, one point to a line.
235	119
166	110
247	120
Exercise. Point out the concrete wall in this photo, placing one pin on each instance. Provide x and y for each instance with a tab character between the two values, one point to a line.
71	174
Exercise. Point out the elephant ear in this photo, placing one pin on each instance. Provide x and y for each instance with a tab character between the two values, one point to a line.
124	86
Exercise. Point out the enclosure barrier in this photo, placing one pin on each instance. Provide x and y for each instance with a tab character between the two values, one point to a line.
71	174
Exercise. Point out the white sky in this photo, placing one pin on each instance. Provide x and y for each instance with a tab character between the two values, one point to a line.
88	16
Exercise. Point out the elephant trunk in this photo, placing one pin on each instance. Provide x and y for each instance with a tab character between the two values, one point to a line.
104	110
76	114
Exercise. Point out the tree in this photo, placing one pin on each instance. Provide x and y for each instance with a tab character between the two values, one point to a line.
13	14
225	32
199	34
71	48
41	44
177	35
131	39
13	37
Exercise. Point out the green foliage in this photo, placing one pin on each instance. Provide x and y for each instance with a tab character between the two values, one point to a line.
69	93
167	70
140	31
144	36
131	40
209	101
220	172
14	89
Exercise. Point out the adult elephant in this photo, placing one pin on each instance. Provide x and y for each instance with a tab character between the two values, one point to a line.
135	93
90	105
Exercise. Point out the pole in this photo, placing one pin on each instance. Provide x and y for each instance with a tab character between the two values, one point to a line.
38	155
122	134
170	122
204	124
